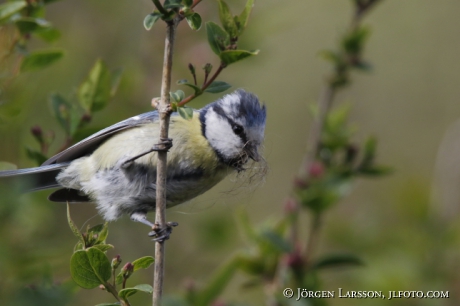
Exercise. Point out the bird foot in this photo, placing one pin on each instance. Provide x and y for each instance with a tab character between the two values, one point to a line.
164	145
162	234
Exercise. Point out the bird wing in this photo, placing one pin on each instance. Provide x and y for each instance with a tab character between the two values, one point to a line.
91	143
37	178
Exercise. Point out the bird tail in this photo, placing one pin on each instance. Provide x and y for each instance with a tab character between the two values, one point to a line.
34	179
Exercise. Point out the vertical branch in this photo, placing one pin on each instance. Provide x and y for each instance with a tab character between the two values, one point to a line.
314	137
325	102
313	237
164	110
327	97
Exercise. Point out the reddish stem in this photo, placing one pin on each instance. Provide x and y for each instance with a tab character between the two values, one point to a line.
205	85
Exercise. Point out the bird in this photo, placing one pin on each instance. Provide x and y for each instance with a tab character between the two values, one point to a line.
116	168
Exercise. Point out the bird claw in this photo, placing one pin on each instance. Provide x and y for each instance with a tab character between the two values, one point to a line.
162	234
164	145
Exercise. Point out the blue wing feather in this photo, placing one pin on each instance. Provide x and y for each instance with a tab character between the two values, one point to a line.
89	144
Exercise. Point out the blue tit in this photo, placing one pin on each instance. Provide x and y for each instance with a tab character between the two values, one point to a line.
112	168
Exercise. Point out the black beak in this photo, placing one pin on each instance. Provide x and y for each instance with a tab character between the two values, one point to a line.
252	152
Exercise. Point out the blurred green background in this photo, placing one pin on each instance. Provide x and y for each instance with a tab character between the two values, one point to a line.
405	226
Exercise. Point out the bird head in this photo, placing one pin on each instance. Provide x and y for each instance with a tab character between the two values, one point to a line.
234	127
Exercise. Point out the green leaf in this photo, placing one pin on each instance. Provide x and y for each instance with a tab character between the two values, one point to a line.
331	56
150	20
185	112
174	106
116	79
61	110
119	278
194	87
125	293
188	3
353	43
241	21
227	20
10	8
169	4
4	166
143	262
218	86
34	10
251	265
48	34
29	24
218	39
246	226
40	59
370	147
75	120
322	194
194	21
94	92
90	268
74	228
78	246
233	56
276	240
335	260
101	231
218	282
35	155
103	247
178	95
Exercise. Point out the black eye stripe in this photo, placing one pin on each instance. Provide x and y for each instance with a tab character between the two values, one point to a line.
233	124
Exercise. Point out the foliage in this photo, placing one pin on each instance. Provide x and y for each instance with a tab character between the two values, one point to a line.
272	247
90	267
276	258
27	17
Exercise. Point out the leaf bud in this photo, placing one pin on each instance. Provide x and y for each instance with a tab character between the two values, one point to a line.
207	68
127	270
37	132
191	68
316	170
290	206
116	261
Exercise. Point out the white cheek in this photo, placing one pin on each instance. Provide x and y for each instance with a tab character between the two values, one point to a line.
221	137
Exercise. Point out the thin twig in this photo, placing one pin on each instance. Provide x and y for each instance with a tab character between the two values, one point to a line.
160	7
205	85
114	292
195	3
164	110
313	238
314	139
